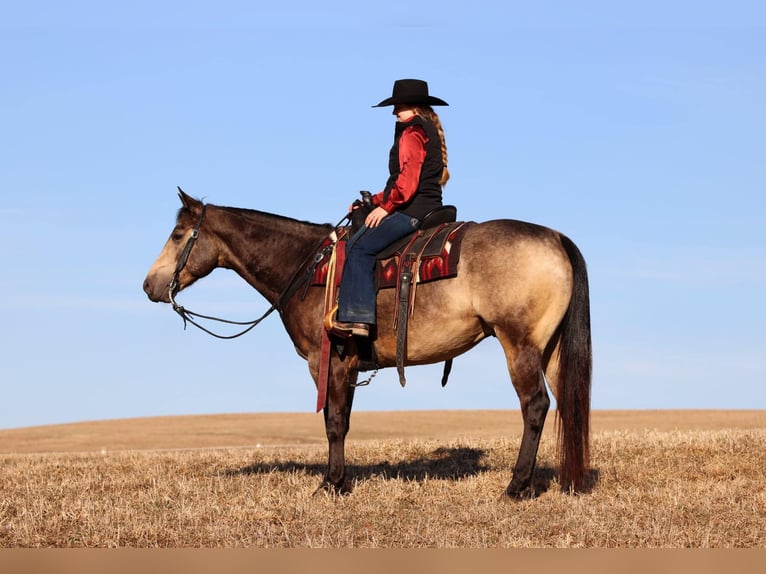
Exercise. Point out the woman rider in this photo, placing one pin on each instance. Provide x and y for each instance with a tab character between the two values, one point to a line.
418	169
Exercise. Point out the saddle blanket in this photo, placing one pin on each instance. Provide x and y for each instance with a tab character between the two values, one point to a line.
437	249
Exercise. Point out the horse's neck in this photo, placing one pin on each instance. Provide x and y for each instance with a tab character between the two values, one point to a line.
265	249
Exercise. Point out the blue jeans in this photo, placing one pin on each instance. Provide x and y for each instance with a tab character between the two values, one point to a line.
356	302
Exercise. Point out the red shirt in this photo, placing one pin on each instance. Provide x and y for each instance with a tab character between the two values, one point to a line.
412	153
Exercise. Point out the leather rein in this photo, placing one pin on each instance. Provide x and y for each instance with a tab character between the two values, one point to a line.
314	258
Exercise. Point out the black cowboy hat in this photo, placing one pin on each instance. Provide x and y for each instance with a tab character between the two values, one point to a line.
411	92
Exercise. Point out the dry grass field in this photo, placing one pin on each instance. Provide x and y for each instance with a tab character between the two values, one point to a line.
662	479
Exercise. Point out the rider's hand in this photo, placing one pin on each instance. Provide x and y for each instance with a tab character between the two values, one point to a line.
375	217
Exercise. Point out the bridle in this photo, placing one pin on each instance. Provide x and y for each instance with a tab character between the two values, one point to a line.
188	315
313	260
184	258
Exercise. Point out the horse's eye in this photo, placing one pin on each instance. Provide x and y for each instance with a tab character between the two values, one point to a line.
177	236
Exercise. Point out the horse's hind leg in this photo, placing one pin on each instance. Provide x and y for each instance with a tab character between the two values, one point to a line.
527	377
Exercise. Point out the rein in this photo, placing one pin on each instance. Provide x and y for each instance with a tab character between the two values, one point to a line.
188	316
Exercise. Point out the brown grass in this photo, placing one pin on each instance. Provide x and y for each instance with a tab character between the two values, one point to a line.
662	479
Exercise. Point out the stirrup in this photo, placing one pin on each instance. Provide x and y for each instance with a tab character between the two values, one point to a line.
346	330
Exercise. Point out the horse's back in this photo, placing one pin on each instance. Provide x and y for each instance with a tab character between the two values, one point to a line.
509	250
506	233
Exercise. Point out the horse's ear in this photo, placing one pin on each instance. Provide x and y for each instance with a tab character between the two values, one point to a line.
187	200
189	203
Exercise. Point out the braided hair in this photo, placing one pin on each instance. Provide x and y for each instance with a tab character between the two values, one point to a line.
429	114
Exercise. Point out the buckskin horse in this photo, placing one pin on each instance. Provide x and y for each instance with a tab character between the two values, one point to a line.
523	283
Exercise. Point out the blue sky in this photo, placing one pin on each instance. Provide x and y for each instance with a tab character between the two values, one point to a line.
636	128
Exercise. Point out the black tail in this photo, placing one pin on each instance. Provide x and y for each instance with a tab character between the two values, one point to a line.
575	371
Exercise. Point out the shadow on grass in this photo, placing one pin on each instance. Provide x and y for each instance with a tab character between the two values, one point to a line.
441	464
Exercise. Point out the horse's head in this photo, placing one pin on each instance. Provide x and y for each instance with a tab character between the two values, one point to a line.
189	253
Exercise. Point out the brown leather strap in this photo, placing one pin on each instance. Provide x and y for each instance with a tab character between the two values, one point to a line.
405	283
331	295
324	371
415	237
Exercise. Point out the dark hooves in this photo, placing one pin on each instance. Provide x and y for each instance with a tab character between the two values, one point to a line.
518	495
327	487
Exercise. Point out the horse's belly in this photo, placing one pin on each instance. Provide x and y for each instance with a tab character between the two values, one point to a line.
443	325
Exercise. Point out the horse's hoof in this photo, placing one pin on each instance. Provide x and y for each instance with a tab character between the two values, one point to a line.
518	495
327	487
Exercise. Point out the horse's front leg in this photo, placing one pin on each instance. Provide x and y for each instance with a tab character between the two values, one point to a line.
337	414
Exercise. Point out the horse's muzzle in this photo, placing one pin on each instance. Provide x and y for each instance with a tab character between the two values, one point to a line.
158	295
